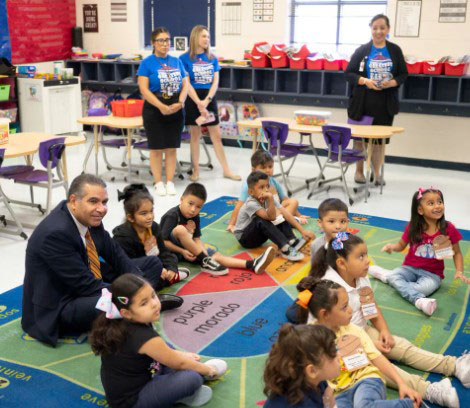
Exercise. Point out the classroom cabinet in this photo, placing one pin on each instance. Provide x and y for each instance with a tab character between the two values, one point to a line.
438	95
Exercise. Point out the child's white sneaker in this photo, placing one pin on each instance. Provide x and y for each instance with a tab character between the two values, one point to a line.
462	369
379	273
160	189
219	365
202	396
170	188
426	305
211	266
442	393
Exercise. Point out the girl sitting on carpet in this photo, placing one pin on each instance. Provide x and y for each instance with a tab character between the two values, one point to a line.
138	369
363	368
299	364
141	236
345	261
431	239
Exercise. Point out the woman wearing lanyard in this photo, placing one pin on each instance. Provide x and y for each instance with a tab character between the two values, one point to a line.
203	69
163	84
376	70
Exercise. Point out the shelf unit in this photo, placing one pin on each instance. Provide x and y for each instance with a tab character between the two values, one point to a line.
434	95
11	102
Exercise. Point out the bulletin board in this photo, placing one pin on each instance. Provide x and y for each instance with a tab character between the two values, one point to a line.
173	14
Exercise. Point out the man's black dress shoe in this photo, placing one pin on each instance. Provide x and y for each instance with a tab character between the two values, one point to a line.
170	301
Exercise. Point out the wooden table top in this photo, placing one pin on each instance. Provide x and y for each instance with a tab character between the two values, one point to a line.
113	121
366	132
24	144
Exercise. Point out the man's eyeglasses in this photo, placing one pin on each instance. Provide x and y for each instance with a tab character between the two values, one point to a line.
163	40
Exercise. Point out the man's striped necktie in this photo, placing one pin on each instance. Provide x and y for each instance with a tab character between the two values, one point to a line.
92	256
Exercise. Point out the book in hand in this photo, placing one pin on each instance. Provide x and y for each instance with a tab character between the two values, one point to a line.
202	120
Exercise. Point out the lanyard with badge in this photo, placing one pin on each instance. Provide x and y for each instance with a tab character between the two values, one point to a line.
368	306
352	353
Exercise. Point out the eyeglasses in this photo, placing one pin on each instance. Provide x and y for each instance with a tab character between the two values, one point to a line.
163	40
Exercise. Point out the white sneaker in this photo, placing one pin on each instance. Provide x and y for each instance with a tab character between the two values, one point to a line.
170	188
182	274
379	273
442	393
211	266
262	262
202	396
219	365
160	189
462	369
426	305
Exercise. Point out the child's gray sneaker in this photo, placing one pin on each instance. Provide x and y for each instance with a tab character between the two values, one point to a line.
292	255
210	265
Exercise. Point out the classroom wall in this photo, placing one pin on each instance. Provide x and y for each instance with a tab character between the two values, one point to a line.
426	136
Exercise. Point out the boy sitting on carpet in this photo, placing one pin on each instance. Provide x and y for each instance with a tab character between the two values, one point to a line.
182	235
261	160
262	218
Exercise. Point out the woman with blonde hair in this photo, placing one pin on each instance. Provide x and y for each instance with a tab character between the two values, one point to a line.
201	106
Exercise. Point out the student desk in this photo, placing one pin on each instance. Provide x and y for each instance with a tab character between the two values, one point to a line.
25	145
130	124
359	131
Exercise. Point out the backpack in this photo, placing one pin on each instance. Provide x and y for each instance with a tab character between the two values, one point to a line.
6	68
97	100
116	96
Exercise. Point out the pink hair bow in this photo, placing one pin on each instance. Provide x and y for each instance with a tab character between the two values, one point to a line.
105	304
422	190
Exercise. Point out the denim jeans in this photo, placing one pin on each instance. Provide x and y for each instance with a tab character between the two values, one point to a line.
165	389
413	283
369	393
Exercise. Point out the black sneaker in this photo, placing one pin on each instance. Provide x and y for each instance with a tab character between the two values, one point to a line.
209	265
261	263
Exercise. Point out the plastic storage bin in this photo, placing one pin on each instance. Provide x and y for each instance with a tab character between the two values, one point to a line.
260	61
432	68
128	108
332	65
9	114
315	118
315	64
297	63
415	68
4	92
454	69
278	56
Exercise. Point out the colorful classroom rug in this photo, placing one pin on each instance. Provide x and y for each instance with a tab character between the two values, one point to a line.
236	317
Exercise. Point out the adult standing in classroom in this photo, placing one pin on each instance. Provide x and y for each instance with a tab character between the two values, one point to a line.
203	69
164	86
376	70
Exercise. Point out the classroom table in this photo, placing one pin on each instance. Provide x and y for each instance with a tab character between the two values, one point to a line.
26	145
130	124
359	131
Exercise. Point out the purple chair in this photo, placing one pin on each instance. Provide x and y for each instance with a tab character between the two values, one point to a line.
276	134
338	156
50	153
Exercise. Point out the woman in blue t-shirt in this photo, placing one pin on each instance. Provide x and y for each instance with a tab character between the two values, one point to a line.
163	84
375	71
203	69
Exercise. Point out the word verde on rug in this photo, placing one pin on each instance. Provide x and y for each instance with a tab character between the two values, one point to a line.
235	317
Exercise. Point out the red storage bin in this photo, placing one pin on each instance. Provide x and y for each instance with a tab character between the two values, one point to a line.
278	56
261	48
260	61
315	65
431	68
297	63
415	68
454	69
332	65
344	64
127	108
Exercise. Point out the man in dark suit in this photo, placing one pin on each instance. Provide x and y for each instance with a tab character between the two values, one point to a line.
70	258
